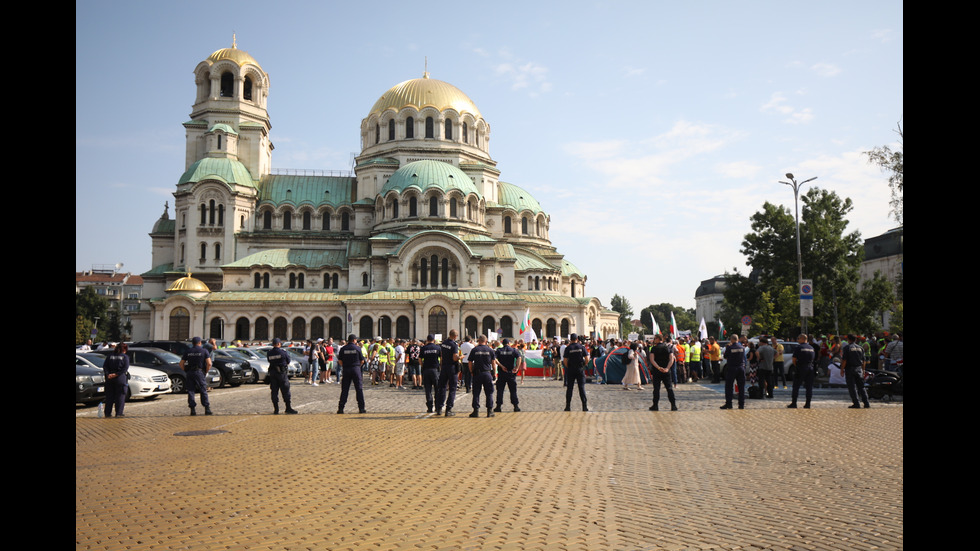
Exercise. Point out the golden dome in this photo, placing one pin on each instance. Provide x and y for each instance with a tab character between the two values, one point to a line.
425	92
241	57
189	284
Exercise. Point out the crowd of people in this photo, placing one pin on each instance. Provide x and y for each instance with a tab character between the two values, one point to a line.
483	366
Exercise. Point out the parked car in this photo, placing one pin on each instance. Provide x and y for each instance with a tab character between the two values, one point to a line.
231	369
169	363
258	363
143	382
89	384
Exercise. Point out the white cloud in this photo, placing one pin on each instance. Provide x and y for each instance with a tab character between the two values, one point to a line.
778	103
883	35
527	75
825	69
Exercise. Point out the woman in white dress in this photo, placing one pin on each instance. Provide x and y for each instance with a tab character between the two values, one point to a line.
632	376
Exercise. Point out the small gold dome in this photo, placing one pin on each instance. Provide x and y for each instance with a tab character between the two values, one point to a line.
189	284
425	92
241	57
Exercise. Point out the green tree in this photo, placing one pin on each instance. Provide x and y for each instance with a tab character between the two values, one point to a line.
831	258
622	305
685	317
877	297
892	162
88	307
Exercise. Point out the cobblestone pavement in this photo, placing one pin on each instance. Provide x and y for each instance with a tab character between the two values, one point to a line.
618	477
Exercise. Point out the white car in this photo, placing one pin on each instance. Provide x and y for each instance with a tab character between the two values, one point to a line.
143	382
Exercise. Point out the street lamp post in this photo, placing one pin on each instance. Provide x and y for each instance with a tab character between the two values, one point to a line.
799	255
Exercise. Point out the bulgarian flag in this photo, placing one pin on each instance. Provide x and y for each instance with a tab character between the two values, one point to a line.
527	332
673	326
656	328
703	330
721	330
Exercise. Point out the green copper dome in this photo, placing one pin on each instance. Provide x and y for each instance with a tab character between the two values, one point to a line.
423	175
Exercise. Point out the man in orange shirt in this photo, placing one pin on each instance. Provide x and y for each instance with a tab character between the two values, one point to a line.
714	354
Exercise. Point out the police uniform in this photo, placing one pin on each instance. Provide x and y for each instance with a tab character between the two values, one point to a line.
196	367
508	359
351	357
481	361
279	378
804	356
448	376
429	355
734	373
115	388
854	374
576	355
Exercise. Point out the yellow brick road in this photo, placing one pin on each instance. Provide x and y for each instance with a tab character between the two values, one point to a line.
753	479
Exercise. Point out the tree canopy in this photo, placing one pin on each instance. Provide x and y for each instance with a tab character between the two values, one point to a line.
893	163
831	258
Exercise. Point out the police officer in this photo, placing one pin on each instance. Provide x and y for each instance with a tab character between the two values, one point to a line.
803	358
574	359
482	362
279	377
351	357
429	355
852	368
734	373
508	359
116	368
196	363
448	375
661	359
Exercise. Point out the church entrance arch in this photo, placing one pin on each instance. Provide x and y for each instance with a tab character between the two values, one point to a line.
438	321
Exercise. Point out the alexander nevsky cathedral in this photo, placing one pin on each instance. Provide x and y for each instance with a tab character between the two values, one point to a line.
422	237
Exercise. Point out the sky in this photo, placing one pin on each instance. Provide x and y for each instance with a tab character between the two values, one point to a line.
648	130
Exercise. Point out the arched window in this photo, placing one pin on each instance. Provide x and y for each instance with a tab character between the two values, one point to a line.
445	272
227	84
524	226
466	134
211	210
247	92
262	329
242	329
221	215
326	221
573	289
287	220
279	328
438	321
424	272
204	214
506	327
345	221
336	328
364	279
334	281
452	207
536	325
537	283
499	280
267	220
292	281
550	328
219	142
537	228
300	281
217	251
316	328
366	328
326	281
265	280
242	223
377	133
384	328
258	280
530	283
204	251
409	128
430	128
217	329
469	326
507	227
565	329
448	134
299	329
433	206
394	208
391	130
413	207
489	324
307	220
402	327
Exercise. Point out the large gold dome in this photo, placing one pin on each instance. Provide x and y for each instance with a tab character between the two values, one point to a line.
425	92
241	57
